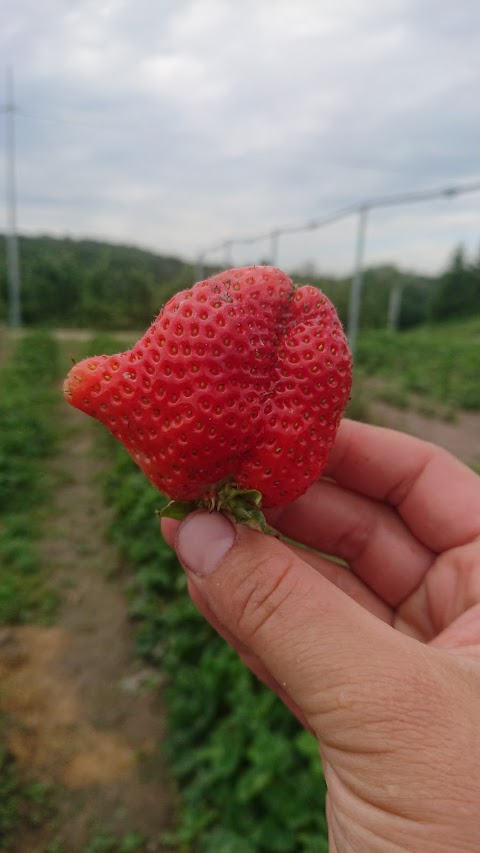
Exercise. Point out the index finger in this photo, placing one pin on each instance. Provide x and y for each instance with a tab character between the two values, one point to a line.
437	496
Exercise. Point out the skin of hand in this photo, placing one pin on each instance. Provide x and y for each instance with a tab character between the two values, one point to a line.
380	657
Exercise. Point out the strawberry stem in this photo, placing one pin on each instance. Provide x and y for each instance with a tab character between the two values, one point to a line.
241	504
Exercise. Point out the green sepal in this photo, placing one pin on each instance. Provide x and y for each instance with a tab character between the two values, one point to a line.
244	505
177	509
240	504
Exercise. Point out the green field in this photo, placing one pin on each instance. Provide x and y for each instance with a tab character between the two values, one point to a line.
247	776
27	439
439	362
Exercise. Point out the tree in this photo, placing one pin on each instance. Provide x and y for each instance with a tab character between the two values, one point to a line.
458	290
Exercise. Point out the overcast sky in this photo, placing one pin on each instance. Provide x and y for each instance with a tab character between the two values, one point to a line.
177	124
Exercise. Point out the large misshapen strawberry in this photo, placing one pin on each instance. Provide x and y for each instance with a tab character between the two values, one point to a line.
233	396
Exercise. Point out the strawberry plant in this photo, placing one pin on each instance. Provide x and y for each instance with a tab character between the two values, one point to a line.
438	362
26	438
23	803
26	433
249	777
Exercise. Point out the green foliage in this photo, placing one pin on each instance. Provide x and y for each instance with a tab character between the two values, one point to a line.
26	433
378	284
249	776
394	396
458	291
454	293
358	408
23	803
106	842
93	284
27	437
437	362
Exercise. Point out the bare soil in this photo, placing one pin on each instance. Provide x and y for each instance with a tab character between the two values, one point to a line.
81	709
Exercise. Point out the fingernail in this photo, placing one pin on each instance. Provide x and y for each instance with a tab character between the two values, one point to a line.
203	540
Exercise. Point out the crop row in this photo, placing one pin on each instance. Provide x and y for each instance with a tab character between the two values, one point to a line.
27	437
248	776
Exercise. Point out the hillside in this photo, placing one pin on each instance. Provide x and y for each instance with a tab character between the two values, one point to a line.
87	283
91	284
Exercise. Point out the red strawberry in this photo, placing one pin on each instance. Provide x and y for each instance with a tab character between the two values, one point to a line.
239	382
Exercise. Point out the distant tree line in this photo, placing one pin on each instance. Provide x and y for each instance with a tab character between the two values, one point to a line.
454	294
91	284
86	283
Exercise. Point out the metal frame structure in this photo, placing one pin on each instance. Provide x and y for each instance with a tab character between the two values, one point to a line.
361	210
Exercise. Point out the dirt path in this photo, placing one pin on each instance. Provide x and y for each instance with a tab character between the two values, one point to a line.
461	437
80	711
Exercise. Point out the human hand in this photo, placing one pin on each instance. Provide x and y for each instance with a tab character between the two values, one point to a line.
380	659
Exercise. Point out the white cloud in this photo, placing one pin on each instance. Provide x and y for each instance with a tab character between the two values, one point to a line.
186	122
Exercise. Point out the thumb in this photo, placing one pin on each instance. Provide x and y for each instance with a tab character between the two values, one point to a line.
342	667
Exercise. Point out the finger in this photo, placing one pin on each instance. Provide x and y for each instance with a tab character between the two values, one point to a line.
366	690
370	536
437	496
313	639
247	656
335	573
346	581
169	528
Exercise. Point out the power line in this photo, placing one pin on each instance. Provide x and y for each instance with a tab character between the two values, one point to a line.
361	210
349	210
411	197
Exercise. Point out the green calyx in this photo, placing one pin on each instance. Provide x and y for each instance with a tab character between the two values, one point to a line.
238	503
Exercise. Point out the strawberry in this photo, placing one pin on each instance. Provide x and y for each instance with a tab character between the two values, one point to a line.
233	396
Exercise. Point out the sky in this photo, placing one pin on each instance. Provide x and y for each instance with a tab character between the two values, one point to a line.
177	125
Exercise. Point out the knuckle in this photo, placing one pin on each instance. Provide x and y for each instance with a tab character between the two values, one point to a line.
264	593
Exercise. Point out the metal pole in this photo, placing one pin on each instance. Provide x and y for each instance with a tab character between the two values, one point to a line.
394	306
13	263
361	209
357	282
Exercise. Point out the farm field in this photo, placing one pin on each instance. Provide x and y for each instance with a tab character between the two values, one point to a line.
125	724
81	728
426	382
